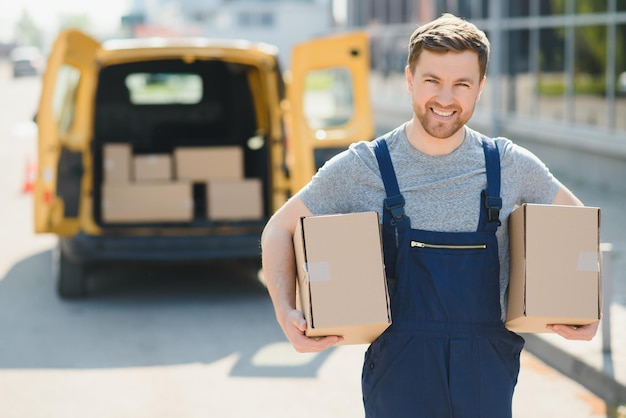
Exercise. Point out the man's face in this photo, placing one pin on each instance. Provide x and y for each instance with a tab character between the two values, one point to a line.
444	90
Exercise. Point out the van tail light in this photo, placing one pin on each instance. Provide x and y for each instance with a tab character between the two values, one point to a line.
47	197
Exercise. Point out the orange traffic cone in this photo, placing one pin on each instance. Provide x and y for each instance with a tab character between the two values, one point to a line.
30	176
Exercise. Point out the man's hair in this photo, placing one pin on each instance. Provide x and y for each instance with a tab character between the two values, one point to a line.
449	33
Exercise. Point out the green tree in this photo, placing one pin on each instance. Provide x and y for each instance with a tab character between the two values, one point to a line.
27	32
591	41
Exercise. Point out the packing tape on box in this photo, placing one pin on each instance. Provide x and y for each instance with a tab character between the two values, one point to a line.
588	261
318	271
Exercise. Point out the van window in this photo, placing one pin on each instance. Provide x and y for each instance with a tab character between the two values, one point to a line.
64	99
164	88
328	98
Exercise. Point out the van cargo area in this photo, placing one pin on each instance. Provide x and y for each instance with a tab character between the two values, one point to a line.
180	165
157	152
179	149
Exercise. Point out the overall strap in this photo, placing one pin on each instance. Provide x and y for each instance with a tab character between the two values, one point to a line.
492	202
393	206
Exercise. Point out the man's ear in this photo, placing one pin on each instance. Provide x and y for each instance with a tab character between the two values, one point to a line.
480	87
409	78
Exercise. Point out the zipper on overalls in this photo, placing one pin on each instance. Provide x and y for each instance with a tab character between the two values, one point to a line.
418	244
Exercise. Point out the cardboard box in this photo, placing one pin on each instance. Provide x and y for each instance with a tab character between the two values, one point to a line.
117	159
147	202
208	163
234	199
555	267
341	276
152	167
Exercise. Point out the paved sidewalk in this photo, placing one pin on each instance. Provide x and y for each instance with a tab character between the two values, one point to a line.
603	373
599	365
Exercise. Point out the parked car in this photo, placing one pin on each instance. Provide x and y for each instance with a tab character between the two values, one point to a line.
180	149
26	60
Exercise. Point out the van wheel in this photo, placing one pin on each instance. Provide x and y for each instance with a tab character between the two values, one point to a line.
70	277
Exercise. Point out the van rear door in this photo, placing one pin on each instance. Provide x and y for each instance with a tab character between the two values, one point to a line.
64	121
329	101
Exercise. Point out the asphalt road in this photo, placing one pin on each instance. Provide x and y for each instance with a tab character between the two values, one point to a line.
164	341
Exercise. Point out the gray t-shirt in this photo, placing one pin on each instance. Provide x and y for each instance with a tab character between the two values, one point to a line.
442	193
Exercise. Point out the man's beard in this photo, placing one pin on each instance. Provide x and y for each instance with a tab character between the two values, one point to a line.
438	129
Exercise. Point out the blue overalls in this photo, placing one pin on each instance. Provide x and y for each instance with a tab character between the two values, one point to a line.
447	352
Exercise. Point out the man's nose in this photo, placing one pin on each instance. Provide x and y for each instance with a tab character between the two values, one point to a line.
445	96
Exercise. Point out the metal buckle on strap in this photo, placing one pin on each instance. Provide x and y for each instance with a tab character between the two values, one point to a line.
493	205
395	205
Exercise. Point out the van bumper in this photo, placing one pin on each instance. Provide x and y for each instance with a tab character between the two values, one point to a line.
83	248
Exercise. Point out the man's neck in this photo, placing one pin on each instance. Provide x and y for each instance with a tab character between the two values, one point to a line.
426	144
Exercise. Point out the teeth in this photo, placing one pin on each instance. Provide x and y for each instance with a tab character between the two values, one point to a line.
440	113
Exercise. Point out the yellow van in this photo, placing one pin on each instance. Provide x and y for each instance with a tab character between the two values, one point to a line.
180	149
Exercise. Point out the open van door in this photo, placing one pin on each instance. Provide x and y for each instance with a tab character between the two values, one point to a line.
329	101
64	121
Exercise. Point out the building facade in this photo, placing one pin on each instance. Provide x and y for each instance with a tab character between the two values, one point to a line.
279	22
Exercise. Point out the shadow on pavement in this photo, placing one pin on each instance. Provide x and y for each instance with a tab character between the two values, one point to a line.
144	315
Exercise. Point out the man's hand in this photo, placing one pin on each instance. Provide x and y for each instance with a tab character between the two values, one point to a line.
279	270
294	326
573	332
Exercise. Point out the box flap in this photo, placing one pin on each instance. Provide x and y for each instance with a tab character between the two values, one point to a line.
303	294
517	288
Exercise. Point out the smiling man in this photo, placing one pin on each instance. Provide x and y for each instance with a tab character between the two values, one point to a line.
444	193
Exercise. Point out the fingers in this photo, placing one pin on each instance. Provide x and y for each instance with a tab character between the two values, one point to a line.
315	344
297	320
575	332
303	344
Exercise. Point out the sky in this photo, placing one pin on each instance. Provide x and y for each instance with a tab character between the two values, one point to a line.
104	14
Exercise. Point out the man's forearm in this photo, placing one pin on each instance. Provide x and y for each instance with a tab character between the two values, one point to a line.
279	269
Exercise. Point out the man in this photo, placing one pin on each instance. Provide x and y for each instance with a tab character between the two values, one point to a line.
447	192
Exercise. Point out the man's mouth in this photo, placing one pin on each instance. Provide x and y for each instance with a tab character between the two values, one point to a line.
442	113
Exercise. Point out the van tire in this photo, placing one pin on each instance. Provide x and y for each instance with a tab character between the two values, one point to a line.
70	277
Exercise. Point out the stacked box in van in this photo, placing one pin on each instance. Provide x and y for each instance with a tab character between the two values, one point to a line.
150	197
160	187
229	195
